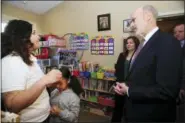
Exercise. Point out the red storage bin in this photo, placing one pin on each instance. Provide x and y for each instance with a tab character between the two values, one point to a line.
106	102
45	53
76	73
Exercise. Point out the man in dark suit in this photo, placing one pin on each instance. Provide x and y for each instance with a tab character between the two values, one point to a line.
179	35
153	83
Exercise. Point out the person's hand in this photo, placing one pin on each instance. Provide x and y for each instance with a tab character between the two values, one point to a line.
52	77
55	110
121	88
182	95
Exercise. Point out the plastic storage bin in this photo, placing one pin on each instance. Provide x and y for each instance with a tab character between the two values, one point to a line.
81	74
106	101
100	75
76	73
87	74
93	75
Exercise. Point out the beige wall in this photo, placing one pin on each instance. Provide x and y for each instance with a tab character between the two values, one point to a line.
10	12
81	16
78	16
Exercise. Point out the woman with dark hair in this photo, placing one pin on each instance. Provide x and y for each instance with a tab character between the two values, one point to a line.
65	100
121	71
23	82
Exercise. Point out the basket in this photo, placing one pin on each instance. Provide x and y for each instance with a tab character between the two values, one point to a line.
87	74
81	74
93	99
93	75
76	73
106	74
100	75
106	101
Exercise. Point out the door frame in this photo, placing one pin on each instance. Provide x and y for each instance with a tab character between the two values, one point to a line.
170	14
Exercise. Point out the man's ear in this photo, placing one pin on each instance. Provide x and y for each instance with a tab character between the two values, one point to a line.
148	15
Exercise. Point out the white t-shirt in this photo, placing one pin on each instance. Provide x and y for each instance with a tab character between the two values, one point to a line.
16	75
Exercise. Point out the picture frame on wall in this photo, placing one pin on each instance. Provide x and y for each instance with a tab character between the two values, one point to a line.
127	26
104	22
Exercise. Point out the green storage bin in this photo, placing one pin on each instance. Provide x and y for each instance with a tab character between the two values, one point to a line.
93	75
93	99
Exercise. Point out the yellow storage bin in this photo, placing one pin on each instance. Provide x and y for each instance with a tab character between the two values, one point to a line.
100	75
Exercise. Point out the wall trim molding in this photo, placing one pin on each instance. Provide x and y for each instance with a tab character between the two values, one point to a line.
171	14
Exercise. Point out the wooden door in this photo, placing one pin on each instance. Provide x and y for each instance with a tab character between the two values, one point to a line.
167	24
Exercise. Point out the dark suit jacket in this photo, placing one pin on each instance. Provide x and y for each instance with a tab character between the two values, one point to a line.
183	70
154	80
119	68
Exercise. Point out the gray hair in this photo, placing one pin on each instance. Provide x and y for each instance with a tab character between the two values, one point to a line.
151	9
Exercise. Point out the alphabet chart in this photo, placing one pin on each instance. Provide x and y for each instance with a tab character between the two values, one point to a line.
102	45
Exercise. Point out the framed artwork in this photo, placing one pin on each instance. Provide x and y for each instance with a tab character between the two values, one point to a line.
104	22
127	26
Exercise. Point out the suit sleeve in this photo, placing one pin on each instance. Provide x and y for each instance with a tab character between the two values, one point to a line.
117	66
167	74
183	76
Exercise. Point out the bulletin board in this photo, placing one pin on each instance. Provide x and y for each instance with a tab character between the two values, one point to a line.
79	41
102	45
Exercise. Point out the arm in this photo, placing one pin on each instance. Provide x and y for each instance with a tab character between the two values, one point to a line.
15	96
168	65
17	100
72	114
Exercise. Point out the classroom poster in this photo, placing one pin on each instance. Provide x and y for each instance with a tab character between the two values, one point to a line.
102	45
80	41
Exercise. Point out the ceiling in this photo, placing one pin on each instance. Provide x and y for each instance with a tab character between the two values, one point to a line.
38	7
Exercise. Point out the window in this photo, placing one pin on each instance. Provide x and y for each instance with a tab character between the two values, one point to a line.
3	26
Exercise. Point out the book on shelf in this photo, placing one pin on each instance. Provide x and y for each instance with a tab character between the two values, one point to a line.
93	84
100	85
86	83
111	86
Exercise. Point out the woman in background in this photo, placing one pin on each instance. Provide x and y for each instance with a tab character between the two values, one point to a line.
65	100
121	71
23	82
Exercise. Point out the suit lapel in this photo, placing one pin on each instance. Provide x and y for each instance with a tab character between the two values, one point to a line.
147	45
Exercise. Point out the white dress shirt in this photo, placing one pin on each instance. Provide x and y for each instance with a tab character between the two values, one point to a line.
149	35
182	43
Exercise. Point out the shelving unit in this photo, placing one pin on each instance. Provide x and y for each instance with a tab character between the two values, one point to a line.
98	91
99	97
